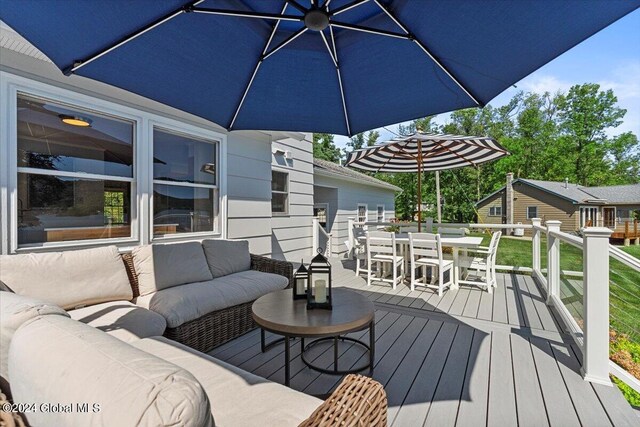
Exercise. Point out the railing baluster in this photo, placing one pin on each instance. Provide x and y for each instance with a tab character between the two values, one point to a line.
535	247
553	261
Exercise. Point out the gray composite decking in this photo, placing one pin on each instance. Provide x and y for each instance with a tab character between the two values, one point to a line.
468	358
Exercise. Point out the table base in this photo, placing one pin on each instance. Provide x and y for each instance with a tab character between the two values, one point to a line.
264	346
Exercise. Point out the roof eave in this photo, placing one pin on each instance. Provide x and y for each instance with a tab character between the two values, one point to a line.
329	174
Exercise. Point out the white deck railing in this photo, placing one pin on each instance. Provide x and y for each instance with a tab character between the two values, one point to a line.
318	230
592	336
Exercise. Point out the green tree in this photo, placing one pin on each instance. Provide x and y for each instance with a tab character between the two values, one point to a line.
324	147
584	114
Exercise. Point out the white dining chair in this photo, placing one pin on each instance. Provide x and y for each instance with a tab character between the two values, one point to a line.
359	250
382	250
425	250
482	260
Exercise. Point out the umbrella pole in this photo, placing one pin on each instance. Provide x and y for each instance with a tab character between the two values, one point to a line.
438	197
419	186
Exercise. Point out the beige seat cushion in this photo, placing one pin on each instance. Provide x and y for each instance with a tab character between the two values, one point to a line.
184	303
227	256
122	320
70	278
238	398
14	311
54	359
163	266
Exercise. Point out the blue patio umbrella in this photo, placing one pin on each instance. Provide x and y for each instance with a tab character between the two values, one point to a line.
336	66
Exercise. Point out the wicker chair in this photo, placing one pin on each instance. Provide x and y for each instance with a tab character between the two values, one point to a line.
358	401
218	327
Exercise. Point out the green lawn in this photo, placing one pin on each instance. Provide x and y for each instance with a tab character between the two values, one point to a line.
624	281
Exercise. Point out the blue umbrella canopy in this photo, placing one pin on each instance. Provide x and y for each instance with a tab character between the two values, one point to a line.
336	66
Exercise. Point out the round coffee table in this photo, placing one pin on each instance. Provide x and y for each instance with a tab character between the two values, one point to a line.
280	314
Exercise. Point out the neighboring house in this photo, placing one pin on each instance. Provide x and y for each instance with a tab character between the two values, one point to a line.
575	205
84	164
341	193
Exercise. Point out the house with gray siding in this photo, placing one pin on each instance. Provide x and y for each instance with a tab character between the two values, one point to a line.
87	164
341	194
133	171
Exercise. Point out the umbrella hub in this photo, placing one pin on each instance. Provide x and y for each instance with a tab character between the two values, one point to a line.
316	19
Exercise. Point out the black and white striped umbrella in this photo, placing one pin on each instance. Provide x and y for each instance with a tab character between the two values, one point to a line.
426	152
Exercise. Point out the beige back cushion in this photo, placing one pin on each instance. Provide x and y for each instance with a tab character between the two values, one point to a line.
69	279
14	311
164	266
54	359
227	256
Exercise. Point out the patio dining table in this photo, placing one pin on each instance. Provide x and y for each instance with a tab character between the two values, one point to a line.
457	243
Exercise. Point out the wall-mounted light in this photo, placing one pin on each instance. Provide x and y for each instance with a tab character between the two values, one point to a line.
75	120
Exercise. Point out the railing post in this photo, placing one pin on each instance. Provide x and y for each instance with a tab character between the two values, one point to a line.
553	262
316	235
351	237
535	246
595	300
428	227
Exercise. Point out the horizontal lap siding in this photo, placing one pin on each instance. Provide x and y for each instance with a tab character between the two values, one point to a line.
550	207
249	192
497	200
343	205
291	234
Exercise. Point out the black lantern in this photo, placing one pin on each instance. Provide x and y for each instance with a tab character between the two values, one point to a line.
319	284
300	280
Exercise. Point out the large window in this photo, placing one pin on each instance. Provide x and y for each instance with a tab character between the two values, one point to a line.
75	170
495	211
279	192
185	190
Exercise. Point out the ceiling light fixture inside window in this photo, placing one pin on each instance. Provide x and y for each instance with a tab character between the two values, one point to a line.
75	120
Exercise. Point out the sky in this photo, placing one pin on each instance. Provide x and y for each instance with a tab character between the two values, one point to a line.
610	58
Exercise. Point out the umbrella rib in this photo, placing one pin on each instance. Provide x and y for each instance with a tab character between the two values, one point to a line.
370	30
347	6
337	63
285	42
297	5
427	51
241	14
129	37
439	144
257	67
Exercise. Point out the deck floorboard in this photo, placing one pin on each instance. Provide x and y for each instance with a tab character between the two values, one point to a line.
468	358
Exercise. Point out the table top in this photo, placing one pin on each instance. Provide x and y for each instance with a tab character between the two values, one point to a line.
450	241
280	313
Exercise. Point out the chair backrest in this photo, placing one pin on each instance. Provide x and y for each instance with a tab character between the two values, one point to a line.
450	231
425	245
381	242
493	246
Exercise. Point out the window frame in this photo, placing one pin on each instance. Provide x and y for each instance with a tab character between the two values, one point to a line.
189	132
384	212
536	215
494	214
366	212
287	192
141	181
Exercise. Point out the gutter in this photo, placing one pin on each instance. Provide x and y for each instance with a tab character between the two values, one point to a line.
328	174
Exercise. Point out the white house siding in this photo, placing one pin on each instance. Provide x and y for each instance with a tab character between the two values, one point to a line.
248	174
349	195
291	234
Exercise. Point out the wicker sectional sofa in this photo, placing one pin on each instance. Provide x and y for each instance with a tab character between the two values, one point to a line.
93	326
